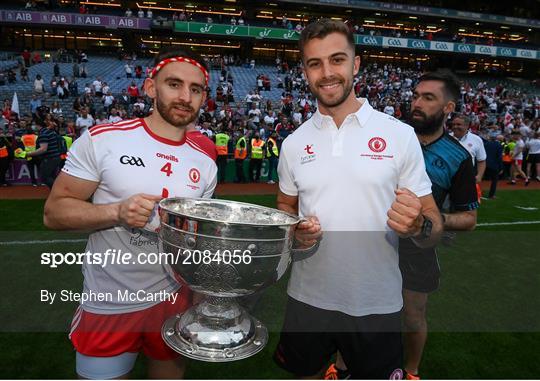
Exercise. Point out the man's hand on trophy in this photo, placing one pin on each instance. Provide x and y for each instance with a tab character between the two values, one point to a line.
136	210
308	232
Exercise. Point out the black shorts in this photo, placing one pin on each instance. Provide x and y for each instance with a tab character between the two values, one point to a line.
370	345
533	158
419	267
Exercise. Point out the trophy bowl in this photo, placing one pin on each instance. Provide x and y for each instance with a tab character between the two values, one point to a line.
223	250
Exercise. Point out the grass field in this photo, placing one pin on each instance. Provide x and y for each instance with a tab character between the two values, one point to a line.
485	319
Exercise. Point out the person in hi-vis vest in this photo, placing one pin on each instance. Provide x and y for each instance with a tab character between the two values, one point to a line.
67	145
272	154
6	155
240	154
222	143
29	142
257	154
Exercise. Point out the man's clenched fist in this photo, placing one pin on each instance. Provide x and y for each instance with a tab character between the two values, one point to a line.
136	210
405	215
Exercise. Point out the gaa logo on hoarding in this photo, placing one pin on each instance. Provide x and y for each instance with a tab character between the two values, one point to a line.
441	46
394	42
419	44
369	41
506	52
464	48
484	49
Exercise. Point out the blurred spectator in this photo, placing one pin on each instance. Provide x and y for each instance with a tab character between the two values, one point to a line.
84	121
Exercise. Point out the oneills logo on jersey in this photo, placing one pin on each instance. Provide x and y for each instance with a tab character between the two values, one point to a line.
132	160
311	156
377	145
167	157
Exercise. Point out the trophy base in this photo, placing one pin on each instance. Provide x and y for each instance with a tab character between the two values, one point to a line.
216	330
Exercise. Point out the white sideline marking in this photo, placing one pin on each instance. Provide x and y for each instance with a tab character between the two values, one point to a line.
526	207
9	243
508	223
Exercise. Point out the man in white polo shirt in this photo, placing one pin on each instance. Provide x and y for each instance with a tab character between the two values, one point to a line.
358	175
85	121
472	143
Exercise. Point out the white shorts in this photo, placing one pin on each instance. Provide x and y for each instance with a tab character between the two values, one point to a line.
104	368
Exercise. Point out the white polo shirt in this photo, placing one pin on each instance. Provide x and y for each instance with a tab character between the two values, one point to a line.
347	178
474	144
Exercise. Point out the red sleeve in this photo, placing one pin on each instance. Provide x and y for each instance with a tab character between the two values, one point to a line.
202	143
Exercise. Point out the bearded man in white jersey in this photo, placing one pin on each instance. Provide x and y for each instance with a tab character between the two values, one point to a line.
124	169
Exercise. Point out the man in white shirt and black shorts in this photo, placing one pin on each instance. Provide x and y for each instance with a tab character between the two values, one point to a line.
125	168
358	175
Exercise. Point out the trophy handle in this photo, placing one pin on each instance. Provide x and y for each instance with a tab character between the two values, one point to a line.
301	254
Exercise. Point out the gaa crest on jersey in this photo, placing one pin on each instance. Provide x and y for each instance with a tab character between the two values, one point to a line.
194	175
377	144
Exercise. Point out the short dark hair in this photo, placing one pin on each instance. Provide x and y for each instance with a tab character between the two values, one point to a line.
174	51
466	119
322	28
451	85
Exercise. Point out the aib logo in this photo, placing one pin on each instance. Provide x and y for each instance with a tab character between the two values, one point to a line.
194	175
377	144
132	160
309	149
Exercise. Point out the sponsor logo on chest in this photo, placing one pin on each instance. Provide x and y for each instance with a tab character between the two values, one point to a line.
311	156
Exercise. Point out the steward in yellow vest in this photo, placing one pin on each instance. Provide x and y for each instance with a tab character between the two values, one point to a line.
257	155
240	153
272	153
222	142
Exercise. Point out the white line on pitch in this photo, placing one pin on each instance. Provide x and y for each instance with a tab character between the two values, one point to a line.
34	242
508	223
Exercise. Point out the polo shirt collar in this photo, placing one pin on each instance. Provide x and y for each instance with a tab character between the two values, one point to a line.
362	115
464	137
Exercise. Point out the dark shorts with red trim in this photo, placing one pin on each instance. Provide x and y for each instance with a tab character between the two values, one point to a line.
100	335
370	345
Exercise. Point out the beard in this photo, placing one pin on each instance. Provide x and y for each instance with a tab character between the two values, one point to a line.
168	114
327	101
426	125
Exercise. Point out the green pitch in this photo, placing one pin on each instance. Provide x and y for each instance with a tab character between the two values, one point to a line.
485	319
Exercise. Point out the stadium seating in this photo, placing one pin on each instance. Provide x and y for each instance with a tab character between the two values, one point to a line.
111	70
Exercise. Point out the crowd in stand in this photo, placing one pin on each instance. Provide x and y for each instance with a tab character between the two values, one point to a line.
494	110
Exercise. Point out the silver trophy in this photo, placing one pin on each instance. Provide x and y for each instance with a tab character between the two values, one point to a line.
224	249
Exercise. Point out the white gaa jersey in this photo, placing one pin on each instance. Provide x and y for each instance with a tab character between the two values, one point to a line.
347	178
127	158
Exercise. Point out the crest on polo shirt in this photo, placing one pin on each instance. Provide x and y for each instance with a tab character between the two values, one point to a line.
377	146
